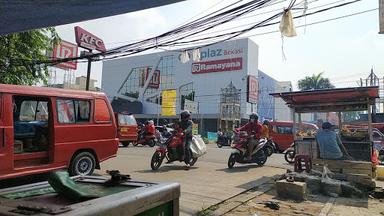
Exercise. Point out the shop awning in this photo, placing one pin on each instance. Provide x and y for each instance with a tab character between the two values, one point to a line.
338	99
17	16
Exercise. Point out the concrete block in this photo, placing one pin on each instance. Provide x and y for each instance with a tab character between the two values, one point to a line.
331	187
291	190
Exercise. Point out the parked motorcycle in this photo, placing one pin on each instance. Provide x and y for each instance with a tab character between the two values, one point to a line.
172	150
147	135
223	140
240	154
289	153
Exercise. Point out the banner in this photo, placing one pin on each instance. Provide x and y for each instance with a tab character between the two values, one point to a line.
65	50
168	105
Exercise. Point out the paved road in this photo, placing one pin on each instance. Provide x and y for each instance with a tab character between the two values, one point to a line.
205	184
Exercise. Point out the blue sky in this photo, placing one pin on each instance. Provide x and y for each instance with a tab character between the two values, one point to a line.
344	50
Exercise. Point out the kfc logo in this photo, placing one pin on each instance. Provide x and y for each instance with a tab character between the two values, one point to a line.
89	41
65	50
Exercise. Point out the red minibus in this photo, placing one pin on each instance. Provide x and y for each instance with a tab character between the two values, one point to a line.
44	129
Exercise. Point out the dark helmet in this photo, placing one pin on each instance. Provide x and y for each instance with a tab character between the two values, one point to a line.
254	116
185	115
327	125
265	122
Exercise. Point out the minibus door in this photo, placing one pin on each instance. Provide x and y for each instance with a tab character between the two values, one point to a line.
6	134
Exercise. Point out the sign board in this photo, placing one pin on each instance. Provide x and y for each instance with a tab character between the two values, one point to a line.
222	65
252	90
381	16
88	41
192	106
168	105
155	81
65	50
195	129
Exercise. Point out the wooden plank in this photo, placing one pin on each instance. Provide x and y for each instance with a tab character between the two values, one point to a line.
344	163
358	171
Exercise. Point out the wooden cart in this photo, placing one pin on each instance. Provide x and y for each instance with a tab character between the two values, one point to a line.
335	100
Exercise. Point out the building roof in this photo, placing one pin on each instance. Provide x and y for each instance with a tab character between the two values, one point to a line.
338	99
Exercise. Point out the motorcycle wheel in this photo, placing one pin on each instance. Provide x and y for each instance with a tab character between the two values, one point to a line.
135	143
125	143
156	160
192	161
269	150
261	158
290	156
219	145
232	160
151	143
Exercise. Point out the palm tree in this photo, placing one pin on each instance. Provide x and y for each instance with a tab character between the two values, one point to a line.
316	81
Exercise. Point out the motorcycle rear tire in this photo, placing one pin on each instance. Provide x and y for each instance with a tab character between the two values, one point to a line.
261	158
269	150
151	143
289	156
156	160
219	145
232	160
125	143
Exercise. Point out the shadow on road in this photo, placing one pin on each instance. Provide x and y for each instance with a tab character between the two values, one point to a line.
237	169
167	168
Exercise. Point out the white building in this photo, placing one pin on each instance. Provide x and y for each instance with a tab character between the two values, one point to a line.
231	66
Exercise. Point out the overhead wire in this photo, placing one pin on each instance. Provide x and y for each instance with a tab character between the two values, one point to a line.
193	28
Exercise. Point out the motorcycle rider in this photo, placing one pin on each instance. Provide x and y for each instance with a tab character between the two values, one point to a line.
186	125
253	127
265	130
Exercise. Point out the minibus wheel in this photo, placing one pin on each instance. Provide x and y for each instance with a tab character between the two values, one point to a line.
82	164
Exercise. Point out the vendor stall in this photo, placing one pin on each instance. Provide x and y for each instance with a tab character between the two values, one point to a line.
357	141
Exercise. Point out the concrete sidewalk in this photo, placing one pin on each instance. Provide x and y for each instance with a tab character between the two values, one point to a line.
205	184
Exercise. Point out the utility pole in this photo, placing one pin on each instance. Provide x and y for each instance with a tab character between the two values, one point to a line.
87	54
381	16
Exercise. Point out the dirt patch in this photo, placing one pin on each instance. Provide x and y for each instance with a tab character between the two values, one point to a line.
253	202
287	207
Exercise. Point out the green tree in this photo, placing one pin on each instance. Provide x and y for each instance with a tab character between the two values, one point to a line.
19	53
316	81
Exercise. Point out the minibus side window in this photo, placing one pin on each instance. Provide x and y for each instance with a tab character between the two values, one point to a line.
73	111
102	113
82	108
65	111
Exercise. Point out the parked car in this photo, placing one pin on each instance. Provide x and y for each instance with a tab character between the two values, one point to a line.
45	129
282	133
126	128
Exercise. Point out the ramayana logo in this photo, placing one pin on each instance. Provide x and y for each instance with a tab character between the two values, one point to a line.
217	66
211	53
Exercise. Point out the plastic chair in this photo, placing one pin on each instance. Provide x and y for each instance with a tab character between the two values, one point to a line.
302	163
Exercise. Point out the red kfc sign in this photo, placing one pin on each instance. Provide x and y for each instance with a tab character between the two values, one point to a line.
88	41
253	90
65	50
217	66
